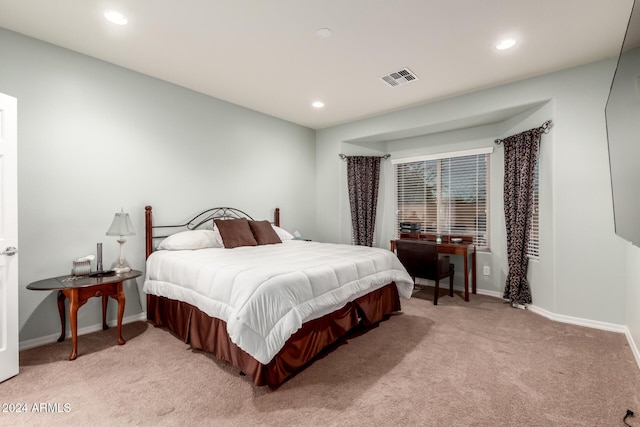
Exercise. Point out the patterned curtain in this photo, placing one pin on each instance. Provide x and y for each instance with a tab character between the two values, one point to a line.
363	174
520	157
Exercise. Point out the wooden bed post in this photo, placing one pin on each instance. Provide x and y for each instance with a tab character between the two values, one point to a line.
276	219
148	237
148	233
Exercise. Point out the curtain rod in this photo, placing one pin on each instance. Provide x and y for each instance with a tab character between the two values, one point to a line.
344	156
545	128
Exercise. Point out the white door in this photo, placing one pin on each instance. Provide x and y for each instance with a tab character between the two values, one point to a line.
8	237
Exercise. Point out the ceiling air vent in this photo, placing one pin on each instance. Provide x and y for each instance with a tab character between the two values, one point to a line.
399	77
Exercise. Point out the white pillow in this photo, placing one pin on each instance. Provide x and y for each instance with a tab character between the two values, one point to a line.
282	233
192	239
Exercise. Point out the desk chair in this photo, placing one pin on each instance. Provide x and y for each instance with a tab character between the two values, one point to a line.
421	259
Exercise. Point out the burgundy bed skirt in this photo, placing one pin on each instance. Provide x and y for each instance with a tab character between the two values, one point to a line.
209	334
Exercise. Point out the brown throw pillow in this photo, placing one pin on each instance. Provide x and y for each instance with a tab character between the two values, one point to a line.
264	232
235	232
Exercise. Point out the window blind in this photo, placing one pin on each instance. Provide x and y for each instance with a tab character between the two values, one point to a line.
447	196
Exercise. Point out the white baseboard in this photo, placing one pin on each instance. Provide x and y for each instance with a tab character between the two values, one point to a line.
611	327
37	342
494	294
633	345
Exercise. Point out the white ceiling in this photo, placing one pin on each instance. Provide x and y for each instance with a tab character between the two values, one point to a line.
265	55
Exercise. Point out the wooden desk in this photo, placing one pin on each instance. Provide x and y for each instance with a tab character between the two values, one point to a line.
463	249
78	290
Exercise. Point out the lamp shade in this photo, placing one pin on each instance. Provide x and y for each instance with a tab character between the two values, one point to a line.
121	225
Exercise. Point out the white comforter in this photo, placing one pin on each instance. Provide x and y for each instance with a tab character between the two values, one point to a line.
265	293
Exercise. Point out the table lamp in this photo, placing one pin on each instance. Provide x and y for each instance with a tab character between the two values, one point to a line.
121	226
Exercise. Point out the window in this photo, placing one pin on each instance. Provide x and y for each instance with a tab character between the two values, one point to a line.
445	194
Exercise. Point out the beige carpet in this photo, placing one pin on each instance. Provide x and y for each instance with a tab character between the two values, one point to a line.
480	363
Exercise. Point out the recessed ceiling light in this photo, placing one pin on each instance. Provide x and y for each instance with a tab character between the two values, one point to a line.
323	33
317	104
115	17
505	44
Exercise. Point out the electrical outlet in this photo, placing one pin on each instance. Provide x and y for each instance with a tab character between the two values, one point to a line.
486	270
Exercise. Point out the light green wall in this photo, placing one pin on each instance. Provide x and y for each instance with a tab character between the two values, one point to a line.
94	137
632	279
624	110
581	268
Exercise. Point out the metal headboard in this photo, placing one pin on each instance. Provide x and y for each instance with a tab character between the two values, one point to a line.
197	221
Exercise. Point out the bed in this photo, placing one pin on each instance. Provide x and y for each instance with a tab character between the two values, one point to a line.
264	301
